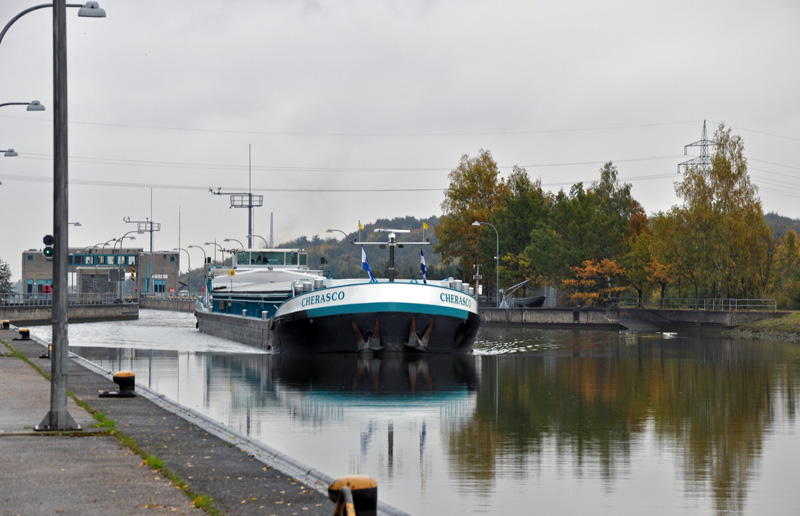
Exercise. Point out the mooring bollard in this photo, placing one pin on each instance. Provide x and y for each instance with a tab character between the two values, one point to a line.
24	333
127	384
354	495
6	324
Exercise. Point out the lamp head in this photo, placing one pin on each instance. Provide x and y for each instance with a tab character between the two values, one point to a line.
10	153
35	105
91	10
476	223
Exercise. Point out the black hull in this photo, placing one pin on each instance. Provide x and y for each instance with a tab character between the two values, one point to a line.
373	332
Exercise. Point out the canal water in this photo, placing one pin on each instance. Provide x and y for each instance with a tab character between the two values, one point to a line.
534	422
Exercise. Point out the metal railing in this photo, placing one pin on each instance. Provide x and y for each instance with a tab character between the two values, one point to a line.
173	296
74	299
704	304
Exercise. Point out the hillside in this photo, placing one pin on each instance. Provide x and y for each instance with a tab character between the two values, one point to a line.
780	224
342	258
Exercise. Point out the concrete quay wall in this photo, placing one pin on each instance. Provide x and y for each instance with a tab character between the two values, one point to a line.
41	315
687	318
245	330
175	305
572	317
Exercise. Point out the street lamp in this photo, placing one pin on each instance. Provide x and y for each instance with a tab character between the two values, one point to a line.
241	245
33	105
339	230
123	238
496	257
250	237
222	249
188	263
205	263
59	418
76	224
9	153
345	237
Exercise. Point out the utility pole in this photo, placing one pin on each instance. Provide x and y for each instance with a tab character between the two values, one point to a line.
245	200
146	226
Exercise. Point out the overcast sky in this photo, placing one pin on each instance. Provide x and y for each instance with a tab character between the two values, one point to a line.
358	110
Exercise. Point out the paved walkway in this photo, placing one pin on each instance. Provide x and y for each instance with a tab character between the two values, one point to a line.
90	472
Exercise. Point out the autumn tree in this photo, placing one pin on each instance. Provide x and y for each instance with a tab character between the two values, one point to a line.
724	222
474	194
637	255
595	283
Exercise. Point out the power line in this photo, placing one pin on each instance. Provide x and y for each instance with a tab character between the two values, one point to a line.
363	135
212	166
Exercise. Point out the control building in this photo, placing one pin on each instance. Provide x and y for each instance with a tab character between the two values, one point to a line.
100	271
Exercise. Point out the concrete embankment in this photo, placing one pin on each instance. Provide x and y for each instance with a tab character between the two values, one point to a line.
245	330
90	471
553	317
26	315
636	319
173	304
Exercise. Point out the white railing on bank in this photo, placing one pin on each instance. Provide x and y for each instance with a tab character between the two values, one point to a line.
705	304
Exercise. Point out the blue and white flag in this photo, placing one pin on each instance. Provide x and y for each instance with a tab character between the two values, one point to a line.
422	267
365	264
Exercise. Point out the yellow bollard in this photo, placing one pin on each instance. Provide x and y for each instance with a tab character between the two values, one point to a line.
354	495
6	324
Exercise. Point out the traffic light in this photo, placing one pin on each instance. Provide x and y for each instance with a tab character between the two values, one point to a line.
48	241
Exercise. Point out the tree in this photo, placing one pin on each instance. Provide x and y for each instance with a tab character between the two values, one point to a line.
475	192
526	206
724	215
595	283
637	256
6	287
583	225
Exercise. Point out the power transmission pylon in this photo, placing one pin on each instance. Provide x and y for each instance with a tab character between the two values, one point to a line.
703	161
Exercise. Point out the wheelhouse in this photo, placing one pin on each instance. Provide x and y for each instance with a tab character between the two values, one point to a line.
294	258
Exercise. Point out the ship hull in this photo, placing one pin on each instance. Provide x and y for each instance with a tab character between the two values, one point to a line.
376	317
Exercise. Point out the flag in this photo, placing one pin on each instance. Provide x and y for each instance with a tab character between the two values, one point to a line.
422	267
365	265
360	226
424	225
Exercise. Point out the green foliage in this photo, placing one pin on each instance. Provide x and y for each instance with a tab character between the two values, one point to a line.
6	286
723	230
582	225
474	194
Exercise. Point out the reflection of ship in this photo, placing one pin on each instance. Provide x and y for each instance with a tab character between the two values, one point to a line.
380	374
304	312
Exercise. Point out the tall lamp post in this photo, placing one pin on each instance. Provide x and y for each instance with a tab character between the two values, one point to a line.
266	244
205	263
221	249
496	256
59	418
188	264
241	245
345	237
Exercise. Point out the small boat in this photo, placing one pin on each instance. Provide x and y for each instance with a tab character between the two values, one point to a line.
305	312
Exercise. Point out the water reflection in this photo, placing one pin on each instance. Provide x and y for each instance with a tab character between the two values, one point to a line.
700	425
712	402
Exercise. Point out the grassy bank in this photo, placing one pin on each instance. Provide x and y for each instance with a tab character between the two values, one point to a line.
786	327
